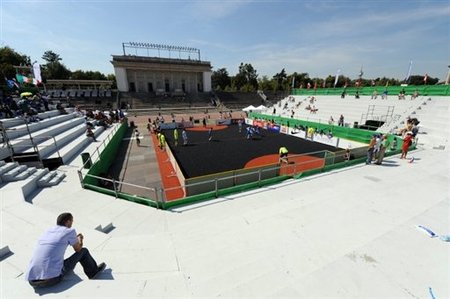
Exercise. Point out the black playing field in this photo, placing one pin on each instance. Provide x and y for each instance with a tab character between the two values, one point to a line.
230	150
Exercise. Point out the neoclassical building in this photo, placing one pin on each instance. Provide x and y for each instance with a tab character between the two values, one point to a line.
161	75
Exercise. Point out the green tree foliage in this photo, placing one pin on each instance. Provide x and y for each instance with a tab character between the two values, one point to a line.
281	80
220	79
265	83
51	57
419	80
112	77
8	59
87	75
300	79
54	69
247	75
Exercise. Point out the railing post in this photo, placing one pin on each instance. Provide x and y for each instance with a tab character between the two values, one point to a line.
155	190
216	187
115	188
80	176
163	199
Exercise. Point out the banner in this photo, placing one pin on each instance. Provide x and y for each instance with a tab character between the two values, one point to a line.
337	77
409	71
37	72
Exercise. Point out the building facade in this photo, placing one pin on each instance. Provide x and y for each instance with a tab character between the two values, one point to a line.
162	76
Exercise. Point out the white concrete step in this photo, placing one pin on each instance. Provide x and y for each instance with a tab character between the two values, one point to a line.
7	167
23	143
70	150
21	129
49	146
51	179
27	186
18	173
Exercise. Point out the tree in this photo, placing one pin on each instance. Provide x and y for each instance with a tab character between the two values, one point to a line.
300	79
8	59
51	57
266	84
247	75
419	80
220	79
281	80
87	75
54	69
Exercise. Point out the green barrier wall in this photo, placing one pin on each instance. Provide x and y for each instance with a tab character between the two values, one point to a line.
353	134
358	135
107	156
424	90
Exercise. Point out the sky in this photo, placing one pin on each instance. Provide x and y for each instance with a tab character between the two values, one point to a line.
317	37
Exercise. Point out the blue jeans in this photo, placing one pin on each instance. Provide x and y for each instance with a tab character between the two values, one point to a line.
369	155
83	256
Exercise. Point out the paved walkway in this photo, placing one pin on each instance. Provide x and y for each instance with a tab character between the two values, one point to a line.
138	165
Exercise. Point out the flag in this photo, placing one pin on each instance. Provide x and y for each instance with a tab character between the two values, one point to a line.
337	77
425	78
37	73
315	85
324	83
373	83
11	83
308	86
24	79
409	71
293	82
361	73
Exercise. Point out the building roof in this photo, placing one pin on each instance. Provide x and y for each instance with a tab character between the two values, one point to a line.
131	61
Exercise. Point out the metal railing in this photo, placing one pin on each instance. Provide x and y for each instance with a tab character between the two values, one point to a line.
158	196
36	145
98	149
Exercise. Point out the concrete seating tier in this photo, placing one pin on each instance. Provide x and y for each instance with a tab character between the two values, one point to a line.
70	149
239	100
354	110
12	122
57	136
434	125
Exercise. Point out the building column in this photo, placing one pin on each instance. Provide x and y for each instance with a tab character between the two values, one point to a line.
207	81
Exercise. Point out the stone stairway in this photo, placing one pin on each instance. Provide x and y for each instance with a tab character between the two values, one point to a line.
14	176
30	151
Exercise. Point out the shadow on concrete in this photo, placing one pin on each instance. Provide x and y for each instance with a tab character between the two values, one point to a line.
60	287
122	156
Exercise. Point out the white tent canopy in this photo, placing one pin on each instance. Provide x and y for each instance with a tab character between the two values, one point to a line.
251	107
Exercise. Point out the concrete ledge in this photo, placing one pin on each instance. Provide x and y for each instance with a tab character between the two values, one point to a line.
105	229
5	252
